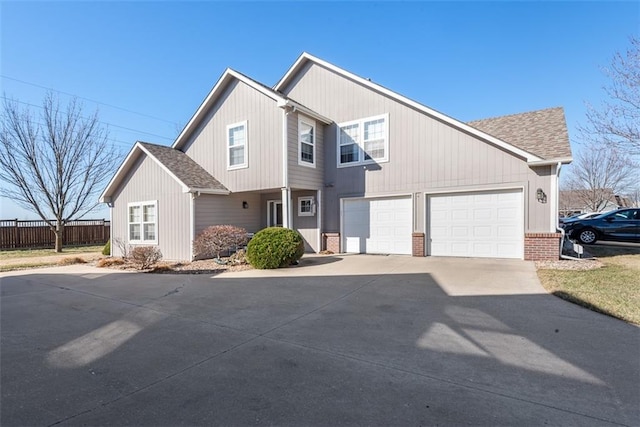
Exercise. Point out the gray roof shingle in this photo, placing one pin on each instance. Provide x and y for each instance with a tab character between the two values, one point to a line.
183	167
543	132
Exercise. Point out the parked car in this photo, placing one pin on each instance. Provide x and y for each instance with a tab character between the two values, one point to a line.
620	225
586	215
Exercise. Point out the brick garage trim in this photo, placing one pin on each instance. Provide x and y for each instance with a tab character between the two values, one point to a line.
331	242
542	246
417	244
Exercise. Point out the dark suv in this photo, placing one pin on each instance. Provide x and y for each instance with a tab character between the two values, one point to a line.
622	225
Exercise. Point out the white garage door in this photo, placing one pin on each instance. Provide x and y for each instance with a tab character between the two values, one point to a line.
377	226
483	224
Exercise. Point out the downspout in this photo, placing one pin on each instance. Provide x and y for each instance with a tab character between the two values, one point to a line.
192	226
557	201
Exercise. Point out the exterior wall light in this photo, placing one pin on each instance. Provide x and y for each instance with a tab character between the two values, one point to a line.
245	205
541	196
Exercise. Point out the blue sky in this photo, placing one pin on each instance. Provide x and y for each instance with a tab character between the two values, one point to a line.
158	60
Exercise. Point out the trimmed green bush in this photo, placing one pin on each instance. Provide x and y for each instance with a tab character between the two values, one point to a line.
275	247
107	248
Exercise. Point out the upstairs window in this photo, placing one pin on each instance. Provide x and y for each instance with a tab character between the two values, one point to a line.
237	146
363	141
306	142
143	222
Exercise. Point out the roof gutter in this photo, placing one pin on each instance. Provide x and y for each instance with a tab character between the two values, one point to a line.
562	160
207	191
284	103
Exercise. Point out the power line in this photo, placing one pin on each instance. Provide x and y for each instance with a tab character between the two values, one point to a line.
127	144
87	99
105	123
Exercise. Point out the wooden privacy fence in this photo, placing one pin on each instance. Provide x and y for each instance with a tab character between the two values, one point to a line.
16	234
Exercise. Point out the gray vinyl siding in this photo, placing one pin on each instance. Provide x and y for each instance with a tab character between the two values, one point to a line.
425	154
227	210
147	181
208	145
300	176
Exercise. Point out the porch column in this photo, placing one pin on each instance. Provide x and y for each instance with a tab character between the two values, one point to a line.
286	208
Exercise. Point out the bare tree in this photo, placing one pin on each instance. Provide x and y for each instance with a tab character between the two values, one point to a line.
617	121
599	172
54	164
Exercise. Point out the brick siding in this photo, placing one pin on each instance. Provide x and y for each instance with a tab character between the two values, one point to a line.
542	246
331	242
417	244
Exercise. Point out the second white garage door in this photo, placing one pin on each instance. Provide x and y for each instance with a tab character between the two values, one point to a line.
482	224
377	226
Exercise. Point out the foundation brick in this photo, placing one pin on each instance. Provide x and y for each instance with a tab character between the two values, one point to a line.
542	246
331	242
417	244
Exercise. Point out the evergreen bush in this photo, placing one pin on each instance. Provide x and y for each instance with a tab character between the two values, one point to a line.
275	247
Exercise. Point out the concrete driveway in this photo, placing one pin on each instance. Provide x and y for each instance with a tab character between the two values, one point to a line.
352	340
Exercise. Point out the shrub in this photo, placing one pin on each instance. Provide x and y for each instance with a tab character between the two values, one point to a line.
240	257
145	256
123	247
214	240
107	248
275	247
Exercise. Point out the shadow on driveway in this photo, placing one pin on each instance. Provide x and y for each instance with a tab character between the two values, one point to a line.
402	341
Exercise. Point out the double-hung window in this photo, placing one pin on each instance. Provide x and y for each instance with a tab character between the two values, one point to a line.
306	142
363	141
237	151
143	222
306	206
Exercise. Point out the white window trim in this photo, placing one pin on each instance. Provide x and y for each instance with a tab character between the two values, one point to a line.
306	199
360	143
311	123
245	163
141	205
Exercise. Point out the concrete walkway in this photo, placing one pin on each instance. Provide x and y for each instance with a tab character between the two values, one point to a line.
352	340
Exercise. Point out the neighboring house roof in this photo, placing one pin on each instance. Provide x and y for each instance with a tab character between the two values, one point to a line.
578	200
189	174
543	132
228	76
531	156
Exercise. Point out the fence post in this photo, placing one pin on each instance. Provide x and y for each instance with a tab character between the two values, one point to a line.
17	234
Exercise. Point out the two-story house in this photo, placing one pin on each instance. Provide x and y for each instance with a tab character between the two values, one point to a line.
351	165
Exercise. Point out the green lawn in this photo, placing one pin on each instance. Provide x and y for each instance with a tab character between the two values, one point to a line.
613	289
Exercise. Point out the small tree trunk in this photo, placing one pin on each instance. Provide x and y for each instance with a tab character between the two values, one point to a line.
59	235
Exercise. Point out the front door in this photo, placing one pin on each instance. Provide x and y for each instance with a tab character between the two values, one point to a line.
274	213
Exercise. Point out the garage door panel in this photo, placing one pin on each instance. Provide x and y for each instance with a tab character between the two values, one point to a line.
378	225
482	224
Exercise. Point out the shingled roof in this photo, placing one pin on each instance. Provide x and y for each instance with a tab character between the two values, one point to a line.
183	167
542	132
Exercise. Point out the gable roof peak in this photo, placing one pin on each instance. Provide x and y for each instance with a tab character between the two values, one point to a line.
529	156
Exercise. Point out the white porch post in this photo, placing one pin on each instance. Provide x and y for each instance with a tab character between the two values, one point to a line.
319	218
286	208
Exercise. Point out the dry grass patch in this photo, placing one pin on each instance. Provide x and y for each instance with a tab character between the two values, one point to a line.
6	254
71	261
613	289
110	262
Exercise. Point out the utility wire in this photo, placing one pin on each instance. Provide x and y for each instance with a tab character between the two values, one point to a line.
87	99
127	144
86	118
